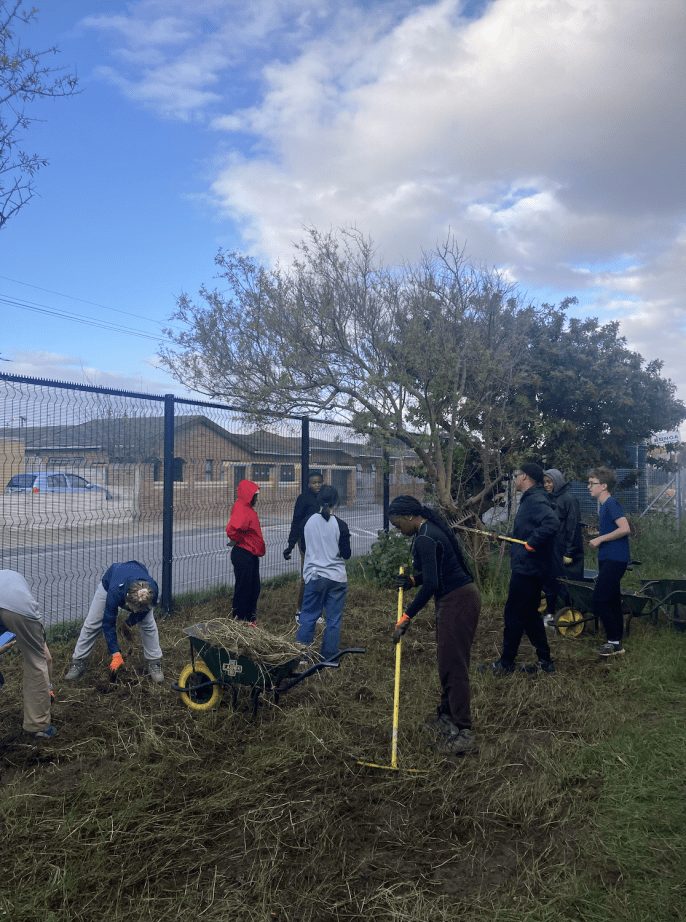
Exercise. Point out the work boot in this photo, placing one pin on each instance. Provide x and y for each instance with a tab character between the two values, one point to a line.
46	734
155	672
458	743
611	649
546	666
438	723
77	669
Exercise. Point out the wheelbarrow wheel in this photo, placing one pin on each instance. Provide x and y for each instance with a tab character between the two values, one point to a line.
569	622
198	695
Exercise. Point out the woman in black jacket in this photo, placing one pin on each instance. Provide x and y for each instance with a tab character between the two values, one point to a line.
440	571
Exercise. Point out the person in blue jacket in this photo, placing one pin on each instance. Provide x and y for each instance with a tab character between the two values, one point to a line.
128	586
613	558
535	524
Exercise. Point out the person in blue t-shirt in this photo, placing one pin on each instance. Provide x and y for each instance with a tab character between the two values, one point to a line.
613	558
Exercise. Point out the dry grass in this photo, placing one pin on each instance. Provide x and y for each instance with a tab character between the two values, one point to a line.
142	810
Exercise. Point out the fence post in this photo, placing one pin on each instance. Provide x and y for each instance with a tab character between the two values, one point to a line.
386	488
168	505
305	453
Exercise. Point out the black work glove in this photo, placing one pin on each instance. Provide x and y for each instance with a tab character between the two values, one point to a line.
401	627
403	582
287	553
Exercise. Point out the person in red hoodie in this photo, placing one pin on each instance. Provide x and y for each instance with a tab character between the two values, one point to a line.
247	546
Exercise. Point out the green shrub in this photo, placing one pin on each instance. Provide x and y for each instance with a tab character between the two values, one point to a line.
388	553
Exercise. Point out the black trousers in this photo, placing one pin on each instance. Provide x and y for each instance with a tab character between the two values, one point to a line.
246	567
607	597
457	615
522	615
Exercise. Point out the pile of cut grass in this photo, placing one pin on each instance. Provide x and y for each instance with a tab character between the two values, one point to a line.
142	810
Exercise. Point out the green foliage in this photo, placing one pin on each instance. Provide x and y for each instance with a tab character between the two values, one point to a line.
388	553
593	396
659	545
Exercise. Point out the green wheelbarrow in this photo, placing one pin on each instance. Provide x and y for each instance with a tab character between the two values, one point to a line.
670	595
213	668
571	620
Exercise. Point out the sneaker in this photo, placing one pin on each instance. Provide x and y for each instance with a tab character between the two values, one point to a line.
321	620
458	743
78	667
546	666
549	622
155	672
498	668
46	734
438	723
611	649
297	617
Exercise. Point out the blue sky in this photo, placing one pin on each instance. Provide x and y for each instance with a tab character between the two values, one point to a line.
548	135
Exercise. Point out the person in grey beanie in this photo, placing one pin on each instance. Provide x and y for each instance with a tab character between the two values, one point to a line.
568	548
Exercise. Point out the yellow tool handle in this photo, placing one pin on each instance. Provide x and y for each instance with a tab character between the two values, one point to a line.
396	694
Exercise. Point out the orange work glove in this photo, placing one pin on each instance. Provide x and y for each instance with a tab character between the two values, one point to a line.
401	627
116	664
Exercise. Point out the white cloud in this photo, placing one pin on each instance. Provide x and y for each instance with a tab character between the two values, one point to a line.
72	369
547	134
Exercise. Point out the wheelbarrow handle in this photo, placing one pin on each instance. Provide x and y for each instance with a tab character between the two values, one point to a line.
349	650
304	675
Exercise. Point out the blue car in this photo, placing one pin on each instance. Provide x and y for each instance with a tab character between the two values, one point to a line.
53	482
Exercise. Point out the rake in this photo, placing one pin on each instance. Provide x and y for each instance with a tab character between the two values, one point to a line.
396	702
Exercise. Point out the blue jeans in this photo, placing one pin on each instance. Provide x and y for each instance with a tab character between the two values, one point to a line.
319	594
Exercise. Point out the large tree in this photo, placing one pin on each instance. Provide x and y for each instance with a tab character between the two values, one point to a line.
593	395
442	355
24	78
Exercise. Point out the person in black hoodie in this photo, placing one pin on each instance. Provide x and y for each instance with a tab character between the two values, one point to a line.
568	549
536	524
305	506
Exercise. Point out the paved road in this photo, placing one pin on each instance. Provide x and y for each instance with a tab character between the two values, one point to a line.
64	576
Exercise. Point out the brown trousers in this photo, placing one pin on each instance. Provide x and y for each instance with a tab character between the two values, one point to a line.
31	644
457	616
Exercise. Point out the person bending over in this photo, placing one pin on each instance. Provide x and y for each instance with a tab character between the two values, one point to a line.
128	586
20	615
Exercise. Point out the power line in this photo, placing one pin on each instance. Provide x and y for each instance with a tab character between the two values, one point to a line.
75	318
81	300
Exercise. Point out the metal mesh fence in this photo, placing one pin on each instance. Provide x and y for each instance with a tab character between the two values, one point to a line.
82	470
